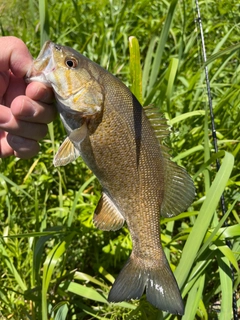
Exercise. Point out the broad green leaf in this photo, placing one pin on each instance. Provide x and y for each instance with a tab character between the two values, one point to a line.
231	231
86	292
62	312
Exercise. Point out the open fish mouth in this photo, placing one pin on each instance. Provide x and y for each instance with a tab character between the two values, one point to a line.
42	66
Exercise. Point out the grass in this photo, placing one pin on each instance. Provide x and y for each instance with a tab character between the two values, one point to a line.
54	263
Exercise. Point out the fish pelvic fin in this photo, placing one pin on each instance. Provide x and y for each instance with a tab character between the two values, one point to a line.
66	153
107	216
161	287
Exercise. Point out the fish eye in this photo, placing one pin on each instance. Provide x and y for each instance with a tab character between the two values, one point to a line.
71	62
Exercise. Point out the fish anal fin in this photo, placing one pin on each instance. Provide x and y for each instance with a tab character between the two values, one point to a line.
107	216
179	190
66	153
161	287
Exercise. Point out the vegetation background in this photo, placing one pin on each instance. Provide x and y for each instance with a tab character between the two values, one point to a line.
54	264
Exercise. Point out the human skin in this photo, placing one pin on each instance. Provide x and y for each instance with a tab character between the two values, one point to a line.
25	109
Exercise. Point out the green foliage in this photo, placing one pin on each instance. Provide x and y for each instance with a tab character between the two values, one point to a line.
54	264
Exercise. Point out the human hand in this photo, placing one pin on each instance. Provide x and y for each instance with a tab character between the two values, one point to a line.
25	110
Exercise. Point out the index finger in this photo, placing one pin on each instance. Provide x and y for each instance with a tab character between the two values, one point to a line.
15	56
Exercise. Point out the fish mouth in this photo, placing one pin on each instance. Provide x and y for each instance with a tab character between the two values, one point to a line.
42	66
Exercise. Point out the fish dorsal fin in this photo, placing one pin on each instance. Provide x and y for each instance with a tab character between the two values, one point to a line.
66	153
158	122
179	190
107	216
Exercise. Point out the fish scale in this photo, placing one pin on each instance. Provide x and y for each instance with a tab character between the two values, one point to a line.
122	145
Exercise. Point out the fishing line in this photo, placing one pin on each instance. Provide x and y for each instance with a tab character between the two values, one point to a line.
214	136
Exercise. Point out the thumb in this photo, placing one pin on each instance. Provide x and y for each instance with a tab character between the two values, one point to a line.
15	56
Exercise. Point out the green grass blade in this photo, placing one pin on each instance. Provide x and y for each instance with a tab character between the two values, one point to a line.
44	21
161	45
194	298
135	68
83	276
217	232
106	274
219	54
203	220
170	77
76	199
188	152
15	186
48	268
147	64
226	286
227	252
7	261
186	115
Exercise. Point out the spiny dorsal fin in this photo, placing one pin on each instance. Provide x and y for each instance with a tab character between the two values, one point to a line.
179	189
107	216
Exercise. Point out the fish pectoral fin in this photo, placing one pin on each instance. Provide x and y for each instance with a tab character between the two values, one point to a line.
66	153
107	216
179	190
78	135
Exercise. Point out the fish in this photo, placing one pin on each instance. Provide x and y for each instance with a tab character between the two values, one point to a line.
122	144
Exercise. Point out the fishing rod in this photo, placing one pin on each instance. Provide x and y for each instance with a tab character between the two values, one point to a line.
215	144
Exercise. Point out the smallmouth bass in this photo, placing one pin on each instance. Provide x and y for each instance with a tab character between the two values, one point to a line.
121	144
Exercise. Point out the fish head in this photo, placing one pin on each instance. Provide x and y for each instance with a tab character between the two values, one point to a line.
75	84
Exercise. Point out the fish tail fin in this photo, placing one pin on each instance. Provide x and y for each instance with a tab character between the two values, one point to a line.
161	287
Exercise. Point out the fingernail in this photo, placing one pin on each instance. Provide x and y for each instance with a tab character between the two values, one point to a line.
27	110
16	140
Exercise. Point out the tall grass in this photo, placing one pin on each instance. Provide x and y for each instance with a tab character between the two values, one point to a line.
54	263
